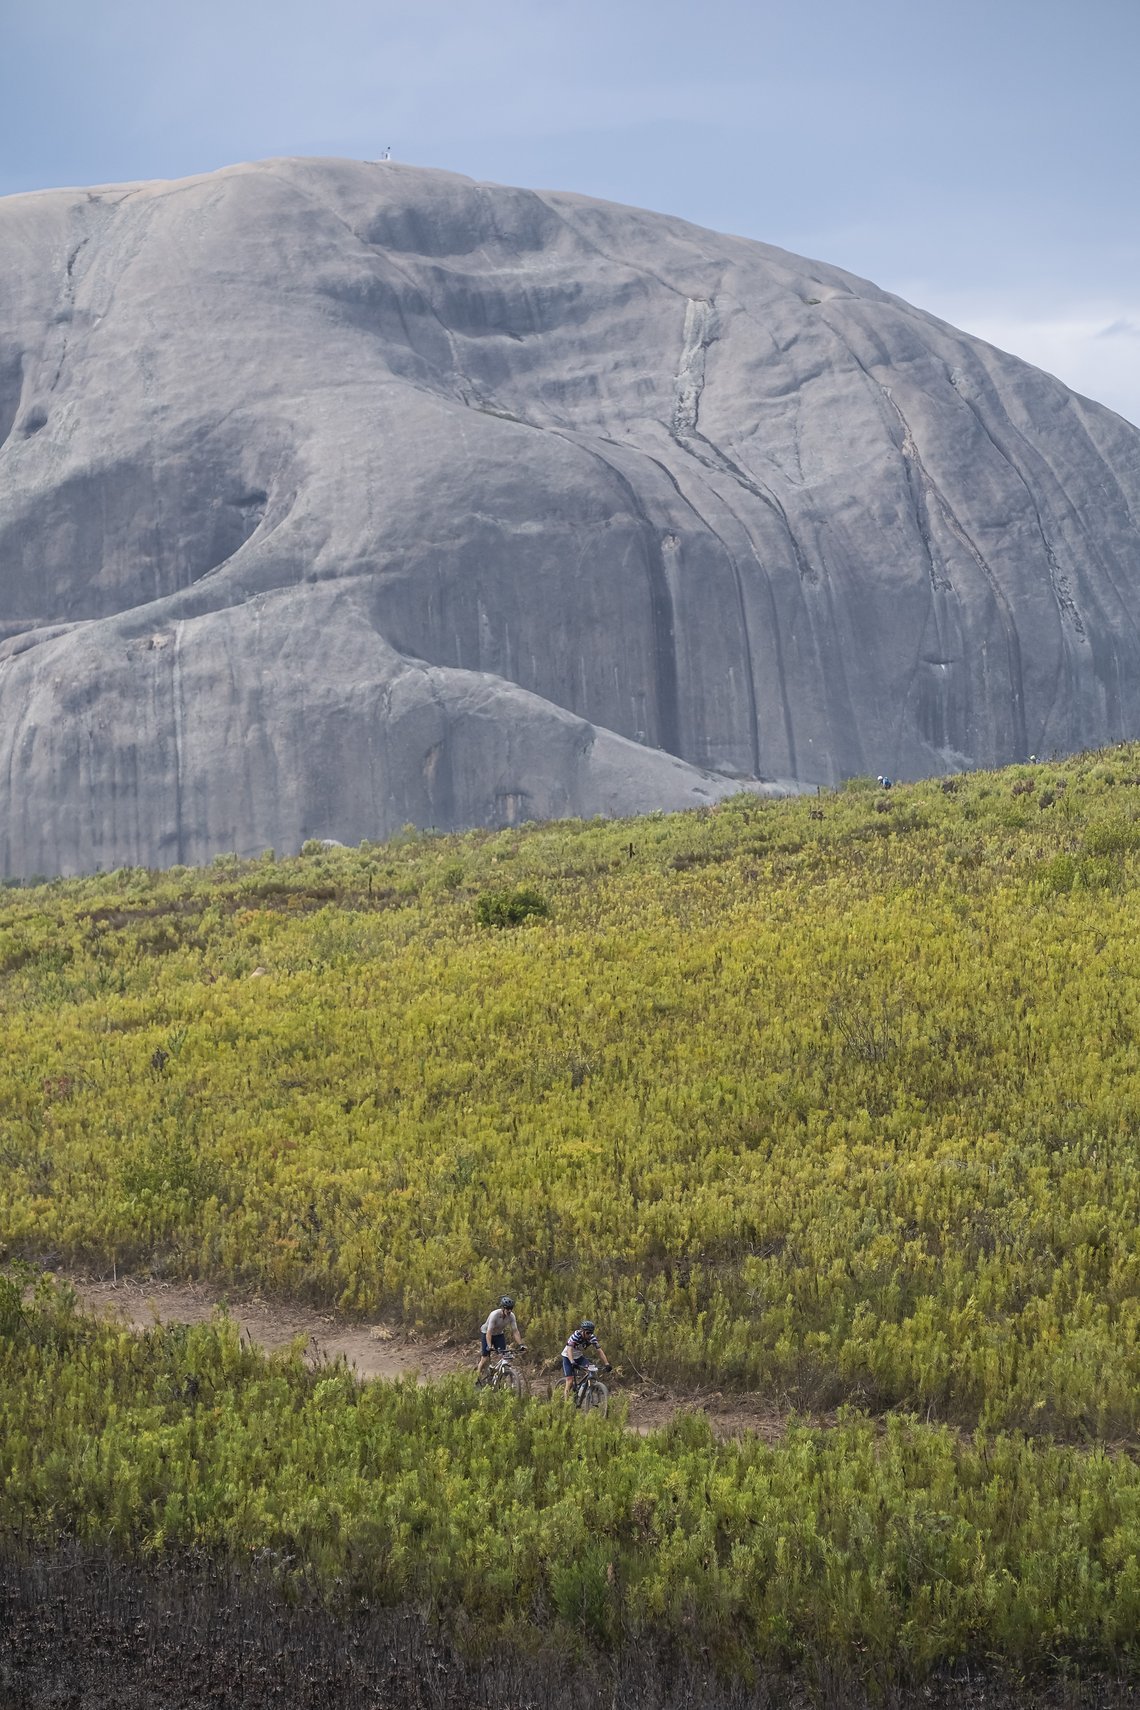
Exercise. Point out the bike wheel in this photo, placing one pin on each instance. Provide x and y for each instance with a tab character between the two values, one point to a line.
515	1381
596	1399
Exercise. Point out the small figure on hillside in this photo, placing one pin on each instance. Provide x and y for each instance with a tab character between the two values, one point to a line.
493	1334
884	783
574	1353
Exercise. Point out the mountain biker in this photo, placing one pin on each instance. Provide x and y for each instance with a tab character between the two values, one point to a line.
574	1353
493	1334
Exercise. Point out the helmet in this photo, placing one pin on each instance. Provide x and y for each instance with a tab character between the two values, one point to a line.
589	1326
507	1303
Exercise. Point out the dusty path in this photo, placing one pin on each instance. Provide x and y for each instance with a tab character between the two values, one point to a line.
380	1351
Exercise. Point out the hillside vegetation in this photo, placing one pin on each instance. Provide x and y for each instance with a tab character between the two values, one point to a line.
836	1097
846	1554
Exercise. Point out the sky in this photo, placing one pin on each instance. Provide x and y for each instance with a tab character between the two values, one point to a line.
978	157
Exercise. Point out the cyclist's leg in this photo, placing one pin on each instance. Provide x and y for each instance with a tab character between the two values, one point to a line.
568	1366
498	1346
574	1377
485	1355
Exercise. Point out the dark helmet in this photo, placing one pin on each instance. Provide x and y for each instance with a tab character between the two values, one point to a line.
507	1303
589	1326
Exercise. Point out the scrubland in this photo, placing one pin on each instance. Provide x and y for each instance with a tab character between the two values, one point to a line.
833	1098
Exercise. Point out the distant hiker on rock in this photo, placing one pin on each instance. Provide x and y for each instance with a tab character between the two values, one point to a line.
493	1334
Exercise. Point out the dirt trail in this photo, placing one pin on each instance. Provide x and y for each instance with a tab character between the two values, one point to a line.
381	1351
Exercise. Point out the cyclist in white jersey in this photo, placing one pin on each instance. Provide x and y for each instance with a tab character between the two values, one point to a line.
493	1334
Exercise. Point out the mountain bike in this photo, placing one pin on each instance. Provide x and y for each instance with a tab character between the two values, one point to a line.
503	1374
589	1394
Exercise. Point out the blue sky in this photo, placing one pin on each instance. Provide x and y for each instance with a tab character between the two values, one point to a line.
979	158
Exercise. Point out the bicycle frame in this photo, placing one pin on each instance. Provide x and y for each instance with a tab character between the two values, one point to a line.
584	1381
505	1375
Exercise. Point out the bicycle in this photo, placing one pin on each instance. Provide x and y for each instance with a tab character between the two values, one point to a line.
589	1394
505	1375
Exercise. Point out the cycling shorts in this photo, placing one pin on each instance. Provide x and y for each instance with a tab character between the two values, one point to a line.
569	1367
498	1342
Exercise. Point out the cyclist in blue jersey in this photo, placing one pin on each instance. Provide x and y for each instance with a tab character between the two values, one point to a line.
574	1353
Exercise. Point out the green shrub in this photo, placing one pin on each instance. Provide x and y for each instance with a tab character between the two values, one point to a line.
1058	876
511	908
1112	837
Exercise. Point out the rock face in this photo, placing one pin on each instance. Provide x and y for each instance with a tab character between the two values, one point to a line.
338	495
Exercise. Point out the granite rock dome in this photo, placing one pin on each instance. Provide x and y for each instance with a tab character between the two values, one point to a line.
336	495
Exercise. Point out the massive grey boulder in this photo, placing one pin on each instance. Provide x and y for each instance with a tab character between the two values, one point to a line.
335	495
